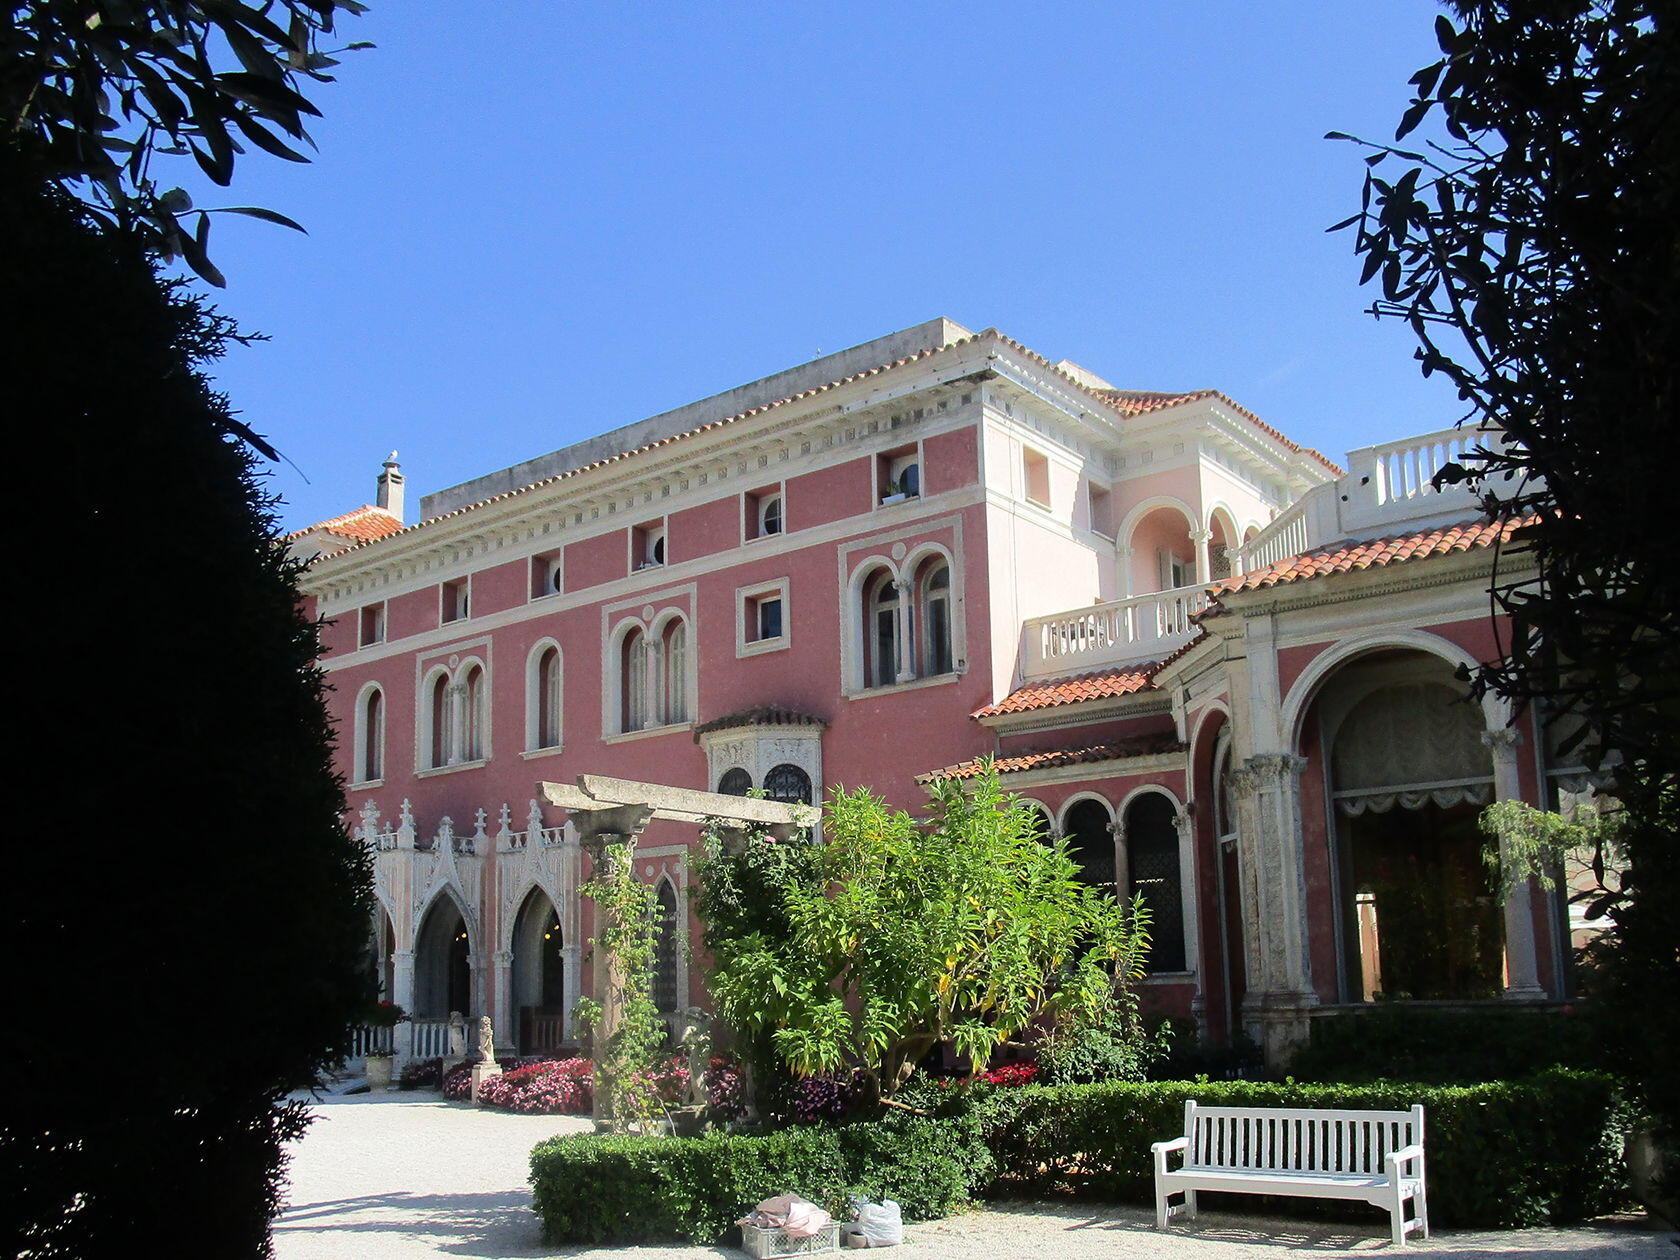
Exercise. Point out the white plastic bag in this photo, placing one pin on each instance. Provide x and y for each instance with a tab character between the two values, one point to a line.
877	1225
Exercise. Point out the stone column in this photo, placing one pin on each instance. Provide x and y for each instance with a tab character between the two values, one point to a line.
608	977
1185	823
1266	793
507	1018
906	664
1122	867
402	993
1204	560
1521	963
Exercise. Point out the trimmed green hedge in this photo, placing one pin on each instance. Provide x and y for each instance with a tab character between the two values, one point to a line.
604	1189
1505	1153
1448	1047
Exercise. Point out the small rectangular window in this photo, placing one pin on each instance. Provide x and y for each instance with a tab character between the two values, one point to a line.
1035	470
899	474
647	545
373	625
763	513
545	574
454	597
1101	522
761	623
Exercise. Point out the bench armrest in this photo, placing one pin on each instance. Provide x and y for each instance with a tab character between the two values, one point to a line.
1405	1155
1160	1151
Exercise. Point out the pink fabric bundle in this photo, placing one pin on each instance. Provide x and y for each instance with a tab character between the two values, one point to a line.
799	1218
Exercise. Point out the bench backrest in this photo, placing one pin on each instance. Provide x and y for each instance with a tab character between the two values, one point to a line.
1267	1139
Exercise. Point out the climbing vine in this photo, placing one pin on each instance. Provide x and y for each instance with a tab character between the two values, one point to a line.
626	912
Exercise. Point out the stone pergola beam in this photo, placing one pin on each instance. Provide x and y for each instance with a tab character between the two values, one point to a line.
602	805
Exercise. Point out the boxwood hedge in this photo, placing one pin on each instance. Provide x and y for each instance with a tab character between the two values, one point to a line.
1503	1153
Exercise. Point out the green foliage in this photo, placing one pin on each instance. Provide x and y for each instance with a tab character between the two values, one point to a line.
1505	1153
602	1190
95	91
966	929
199	875
1113	1048
626	918
1533	247
1446	1046
1525	843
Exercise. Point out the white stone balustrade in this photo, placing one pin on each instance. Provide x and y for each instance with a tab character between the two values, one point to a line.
1117	632
1387	489
430	1038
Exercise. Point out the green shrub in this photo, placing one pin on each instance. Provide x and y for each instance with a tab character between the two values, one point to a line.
1505	1153
1446	1046
609	1189
1545	1149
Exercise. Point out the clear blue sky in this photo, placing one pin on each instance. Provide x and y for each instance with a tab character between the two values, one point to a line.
533	221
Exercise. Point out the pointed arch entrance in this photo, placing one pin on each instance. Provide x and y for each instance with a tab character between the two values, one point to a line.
442	962
539	975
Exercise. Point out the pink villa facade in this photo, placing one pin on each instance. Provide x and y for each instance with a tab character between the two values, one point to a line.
1222	666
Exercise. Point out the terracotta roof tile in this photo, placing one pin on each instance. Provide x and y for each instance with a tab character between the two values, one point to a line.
1138	402
1051	758
365	524
1347	556
1048	693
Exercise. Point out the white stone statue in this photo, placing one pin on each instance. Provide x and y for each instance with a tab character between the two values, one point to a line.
486	1040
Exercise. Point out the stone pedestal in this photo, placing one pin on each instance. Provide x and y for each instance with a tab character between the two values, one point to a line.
481	1072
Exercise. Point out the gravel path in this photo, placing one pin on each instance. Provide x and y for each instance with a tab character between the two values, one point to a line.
396	1176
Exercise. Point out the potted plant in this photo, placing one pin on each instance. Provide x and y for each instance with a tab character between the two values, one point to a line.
896	493
381	1059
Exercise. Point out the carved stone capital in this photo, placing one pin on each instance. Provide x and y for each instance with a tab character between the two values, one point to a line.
1503	743
1268	770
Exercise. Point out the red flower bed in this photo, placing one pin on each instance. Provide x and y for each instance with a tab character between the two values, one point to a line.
554	1087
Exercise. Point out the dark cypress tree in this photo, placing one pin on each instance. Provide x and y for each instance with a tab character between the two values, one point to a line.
185	917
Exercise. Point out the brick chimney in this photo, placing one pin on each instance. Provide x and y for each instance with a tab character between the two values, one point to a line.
391	488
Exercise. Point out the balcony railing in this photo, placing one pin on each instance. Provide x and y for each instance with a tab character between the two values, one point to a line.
1117	632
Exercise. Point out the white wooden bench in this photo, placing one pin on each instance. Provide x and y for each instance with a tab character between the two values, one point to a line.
1375	1156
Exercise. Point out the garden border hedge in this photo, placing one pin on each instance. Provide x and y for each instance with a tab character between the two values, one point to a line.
1546	1148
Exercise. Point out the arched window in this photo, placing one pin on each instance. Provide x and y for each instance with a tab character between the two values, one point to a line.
675	672
788	784
665	946
883	651
1152	872
370	736
441	714
633	682
1090	843
735	782
769	515
544	699
472	715
934	589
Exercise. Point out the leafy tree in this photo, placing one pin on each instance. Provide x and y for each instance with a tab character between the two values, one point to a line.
967	929
188	916
1532	244
94	89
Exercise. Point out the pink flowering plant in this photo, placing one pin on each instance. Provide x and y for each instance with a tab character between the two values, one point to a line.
551	1087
